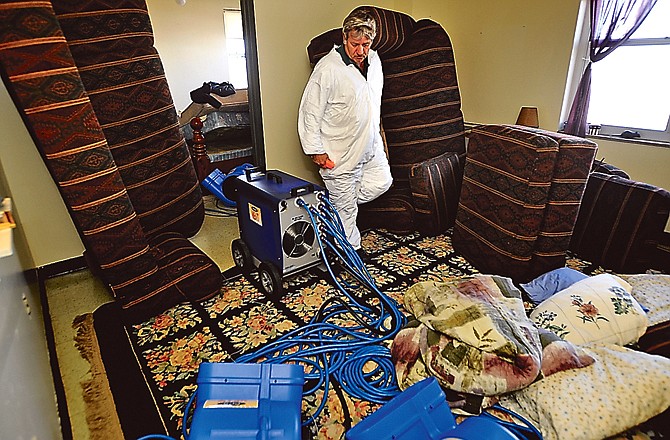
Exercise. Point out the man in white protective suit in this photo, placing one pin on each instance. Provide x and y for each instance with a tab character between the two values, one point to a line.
339	122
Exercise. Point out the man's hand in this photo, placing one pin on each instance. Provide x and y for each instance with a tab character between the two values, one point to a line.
322	160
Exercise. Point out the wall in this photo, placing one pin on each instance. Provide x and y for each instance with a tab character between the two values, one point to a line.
27	395
191	42
508	54
39	208
642	162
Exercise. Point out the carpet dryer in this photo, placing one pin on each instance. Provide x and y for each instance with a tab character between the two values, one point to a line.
276	234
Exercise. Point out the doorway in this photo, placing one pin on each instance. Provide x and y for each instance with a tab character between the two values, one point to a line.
190	37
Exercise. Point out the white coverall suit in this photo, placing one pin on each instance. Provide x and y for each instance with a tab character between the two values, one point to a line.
340	115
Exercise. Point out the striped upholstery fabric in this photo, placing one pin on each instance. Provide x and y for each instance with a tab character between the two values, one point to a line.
663	252
147	271
656	340
571	171
436	188
112	44
519	200
393	211
621	225
421	104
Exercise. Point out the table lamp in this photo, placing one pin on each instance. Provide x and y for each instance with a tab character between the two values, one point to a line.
528	116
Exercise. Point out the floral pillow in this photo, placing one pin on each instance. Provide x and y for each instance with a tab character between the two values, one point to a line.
597	309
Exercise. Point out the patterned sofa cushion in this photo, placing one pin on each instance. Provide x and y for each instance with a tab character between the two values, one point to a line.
184	273
112	45
421	104
522	190
574	160
506	183
394	211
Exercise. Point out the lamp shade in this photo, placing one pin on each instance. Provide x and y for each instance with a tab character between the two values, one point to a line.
528	116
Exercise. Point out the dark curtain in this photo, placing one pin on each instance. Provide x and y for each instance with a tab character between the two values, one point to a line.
612	24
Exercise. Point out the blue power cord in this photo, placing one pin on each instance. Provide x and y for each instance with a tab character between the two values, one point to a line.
156	436
351	353
529	431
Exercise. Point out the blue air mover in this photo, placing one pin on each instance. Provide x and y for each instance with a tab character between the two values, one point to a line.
421	412
218	183
276	235
247	402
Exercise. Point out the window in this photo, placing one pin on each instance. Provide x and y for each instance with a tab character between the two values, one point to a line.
237	60
630	89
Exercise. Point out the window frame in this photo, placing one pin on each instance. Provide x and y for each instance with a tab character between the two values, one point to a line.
579	62
234	57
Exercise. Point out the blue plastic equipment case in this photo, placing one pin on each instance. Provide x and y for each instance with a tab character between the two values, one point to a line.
420	412
248	402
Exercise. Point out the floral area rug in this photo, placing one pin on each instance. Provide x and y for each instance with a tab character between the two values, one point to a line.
152	367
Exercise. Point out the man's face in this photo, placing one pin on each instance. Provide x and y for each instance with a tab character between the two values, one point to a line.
357	47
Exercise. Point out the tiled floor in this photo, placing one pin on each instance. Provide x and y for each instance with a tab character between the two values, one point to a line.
79	292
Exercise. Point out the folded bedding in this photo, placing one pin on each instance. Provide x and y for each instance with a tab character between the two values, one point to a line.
620	390
474	336
568	367
652	291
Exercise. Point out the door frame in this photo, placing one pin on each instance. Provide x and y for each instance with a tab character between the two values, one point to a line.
253	81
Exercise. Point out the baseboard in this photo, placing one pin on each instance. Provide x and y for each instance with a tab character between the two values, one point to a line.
62	267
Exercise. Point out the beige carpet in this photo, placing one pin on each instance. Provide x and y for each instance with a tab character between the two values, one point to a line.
78	293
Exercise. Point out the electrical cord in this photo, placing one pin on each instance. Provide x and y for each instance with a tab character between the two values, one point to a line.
156	436
221	211
344	338
529	431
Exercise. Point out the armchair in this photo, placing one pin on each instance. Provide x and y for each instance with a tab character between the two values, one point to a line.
421	119
91	89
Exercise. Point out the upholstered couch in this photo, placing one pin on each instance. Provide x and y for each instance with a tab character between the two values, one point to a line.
92	92
622	223
421	119
521	193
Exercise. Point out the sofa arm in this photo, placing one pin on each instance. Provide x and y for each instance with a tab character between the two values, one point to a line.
621	223
436	187
606	168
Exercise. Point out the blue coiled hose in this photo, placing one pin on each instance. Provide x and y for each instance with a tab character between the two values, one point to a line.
353	354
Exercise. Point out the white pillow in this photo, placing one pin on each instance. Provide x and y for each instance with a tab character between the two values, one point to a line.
597	309
622	389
